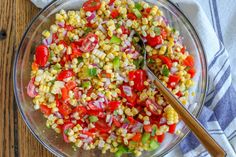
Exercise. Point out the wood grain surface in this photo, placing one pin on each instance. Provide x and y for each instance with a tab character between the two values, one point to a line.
15	138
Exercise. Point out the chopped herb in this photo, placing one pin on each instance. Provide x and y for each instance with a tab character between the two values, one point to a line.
137	13
138	6
66	131
150	61
115	112
153	145
165	71
56	67
117	25
157	30
51	56
86	84
92	72
80	59
138	63
145	138
93	119
116	63
154	130
187	68
173	30
87	30
115	40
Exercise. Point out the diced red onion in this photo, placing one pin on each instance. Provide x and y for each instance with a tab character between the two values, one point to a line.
162	120
91	17
61	24
137	127
127	42
125	126
132	34
135	55
45	42
83	136
127	90
58	115
64	32
112	137
31	89
173	70
88	140
110	121
165	20
102	28
158	46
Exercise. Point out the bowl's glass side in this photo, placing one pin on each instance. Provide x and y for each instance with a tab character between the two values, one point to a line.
22	67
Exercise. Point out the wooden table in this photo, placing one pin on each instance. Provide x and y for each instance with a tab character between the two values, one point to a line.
15	138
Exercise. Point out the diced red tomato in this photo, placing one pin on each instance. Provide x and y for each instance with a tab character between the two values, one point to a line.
137	137
75	51
189	61
131	16
81	110
174	79
154	41
92	5
163	33
65	128
65	74
172	128
183	50
71	85
88	133
34	66
69	27
179	94
41	55
166	61
64	59
111	2
54	38
89	42
93	107
63	43
65	109
102	126
116	123
64	93
89	92
139	77
104	136
148	128
125	30
128	93
77	93
160	138
45	110
115	13
146	12
192	72
113	105
131	120
103	74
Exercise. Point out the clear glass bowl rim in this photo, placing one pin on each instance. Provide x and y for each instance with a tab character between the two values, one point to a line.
50	148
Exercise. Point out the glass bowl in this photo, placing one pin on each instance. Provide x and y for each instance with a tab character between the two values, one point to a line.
34	119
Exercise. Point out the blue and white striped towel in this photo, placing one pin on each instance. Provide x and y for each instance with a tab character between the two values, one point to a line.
213	21
219	112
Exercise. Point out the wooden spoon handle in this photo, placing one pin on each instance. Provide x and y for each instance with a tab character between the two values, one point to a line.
203	136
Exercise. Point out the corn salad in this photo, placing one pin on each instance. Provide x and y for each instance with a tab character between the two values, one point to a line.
87	77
